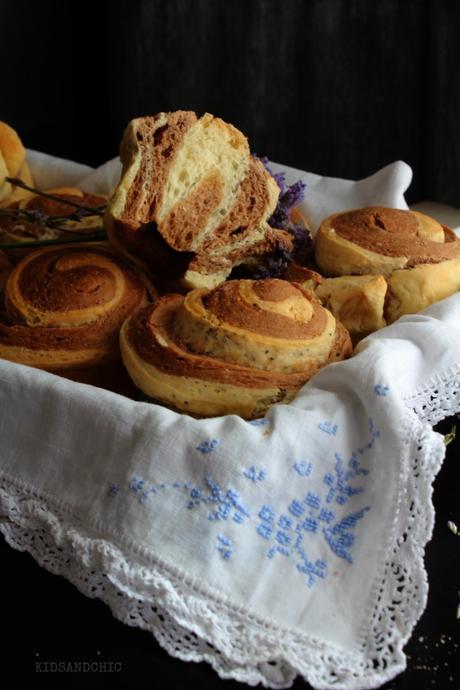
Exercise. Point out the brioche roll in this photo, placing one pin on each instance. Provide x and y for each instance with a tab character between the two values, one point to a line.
12	156
236	349
193	182
64	307
381	240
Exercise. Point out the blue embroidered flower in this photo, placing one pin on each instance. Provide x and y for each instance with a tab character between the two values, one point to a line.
303	468
113	490
226	503
267	516
328	428
136	484
339	537
255	474
208	446
382	390
224	546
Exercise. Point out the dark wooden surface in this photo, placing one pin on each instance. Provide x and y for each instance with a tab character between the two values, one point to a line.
338	87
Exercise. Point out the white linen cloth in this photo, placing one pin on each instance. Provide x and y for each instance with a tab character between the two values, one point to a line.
288	545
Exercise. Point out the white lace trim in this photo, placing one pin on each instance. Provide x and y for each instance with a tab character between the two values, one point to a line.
197	627
437	399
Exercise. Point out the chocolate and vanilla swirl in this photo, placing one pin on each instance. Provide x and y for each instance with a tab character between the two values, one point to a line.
236	348
380	240
64	306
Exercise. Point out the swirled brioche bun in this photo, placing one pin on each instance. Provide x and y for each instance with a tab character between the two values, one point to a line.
418	257
64	308
236	349
380	240
192	182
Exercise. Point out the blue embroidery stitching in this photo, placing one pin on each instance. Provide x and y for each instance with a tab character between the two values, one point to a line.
224	546
328	428
303	468
259	422
227	502
310	514
340	538
379	389
254	474
208	446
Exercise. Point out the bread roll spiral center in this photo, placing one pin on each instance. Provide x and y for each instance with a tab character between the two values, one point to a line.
60	291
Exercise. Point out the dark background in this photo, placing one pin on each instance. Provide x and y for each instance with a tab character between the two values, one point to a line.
332	86
337	87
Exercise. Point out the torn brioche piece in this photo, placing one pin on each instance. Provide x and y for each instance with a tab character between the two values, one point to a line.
193	182
357	301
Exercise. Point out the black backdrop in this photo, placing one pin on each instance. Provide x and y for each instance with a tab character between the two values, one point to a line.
337	87
333	86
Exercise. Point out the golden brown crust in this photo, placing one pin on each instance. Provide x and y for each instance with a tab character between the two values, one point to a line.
395	232
64	307
357	301
11	149
12	156
229	304
380	240
280	340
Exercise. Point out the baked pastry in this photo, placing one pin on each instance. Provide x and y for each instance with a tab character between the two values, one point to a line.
380	240
39	217
191	184
236	349
419	257
64	307
410	291
357	301
12	163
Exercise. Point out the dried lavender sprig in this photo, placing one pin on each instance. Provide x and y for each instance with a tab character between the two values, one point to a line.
97	211
39	218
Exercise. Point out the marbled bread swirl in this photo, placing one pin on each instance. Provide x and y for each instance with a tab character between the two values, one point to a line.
380	240
193	181
419	257
64	307
236	349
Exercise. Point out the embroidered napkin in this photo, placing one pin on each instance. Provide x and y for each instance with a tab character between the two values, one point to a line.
288	545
